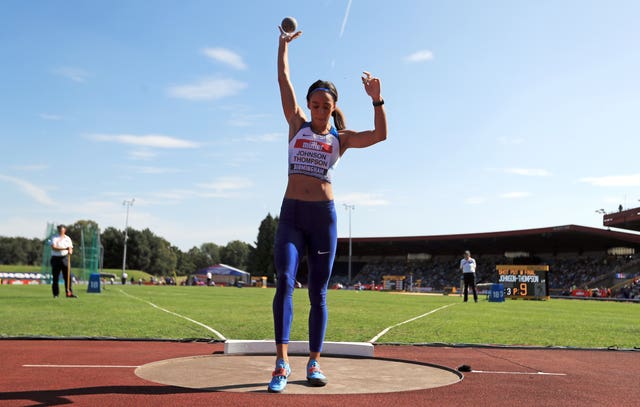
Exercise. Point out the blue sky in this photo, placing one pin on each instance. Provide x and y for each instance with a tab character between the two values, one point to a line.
503	115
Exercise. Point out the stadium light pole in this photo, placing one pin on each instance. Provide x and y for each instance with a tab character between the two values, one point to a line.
127	204
350	208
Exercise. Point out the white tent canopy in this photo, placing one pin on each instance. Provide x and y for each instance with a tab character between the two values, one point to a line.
225	270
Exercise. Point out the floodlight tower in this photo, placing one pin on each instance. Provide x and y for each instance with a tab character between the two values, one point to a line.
128	204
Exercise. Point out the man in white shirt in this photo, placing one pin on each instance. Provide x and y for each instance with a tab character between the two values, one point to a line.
468	266
61	249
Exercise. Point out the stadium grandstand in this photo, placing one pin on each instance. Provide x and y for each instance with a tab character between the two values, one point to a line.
623	219
585	260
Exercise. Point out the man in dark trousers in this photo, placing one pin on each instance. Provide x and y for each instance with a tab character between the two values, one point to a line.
61	249
468	266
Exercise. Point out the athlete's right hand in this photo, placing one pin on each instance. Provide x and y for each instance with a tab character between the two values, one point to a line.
287	37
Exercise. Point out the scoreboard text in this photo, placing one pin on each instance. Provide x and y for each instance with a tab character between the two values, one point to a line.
524	281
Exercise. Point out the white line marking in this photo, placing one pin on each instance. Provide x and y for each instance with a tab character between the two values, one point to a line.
178	315
526	373
384	331
88	366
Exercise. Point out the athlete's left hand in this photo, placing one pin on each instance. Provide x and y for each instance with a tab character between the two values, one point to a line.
371	85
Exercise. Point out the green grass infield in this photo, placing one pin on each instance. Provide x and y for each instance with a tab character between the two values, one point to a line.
180	313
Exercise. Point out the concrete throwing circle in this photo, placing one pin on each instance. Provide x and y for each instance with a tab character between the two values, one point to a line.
251	374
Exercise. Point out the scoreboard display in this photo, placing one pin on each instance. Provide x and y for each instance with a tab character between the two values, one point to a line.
524	281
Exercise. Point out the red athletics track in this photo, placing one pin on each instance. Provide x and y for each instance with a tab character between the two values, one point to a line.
500	376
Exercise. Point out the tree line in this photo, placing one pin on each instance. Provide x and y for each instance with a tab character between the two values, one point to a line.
154	254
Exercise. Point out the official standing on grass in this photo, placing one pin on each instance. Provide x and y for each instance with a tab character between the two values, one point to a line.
468	266
307	224
61	250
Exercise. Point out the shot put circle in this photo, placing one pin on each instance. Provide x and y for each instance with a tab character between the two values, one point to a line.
251	374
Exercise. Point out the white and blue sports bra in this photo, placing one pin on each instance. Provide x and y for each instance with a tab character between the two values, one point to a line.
315	155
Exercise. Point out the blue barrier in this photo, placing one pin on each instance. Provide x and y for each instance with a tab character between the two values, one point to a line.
94	283
497	293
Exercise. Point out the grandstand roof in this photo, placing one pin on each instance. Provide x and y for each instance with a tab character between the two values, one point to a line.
629	219
556	239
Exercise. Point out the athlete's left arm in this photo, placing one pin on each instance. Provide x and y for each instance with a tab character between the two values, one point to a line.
361	139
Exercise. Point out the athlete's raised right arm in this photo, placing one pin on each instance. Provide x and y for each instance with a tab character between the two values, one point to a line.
292	112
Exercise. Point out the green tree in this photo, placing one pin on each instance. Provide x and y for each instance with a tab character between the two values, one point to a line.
198	258
5	250
34	251
163	258
184	265
113	242
16	250
138	250
212	251
261	263
235	254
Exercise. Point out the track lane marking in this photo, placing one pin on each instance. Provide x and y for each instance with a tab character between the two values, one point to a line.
519	373
86	366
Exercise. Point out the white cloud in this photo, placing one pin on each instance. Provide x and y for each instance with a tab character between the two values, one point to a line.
24	226
175	195
142	155
31	167
531	172
74	74
49	116
155	170
515	195
244	120
228	183
420	56
475	200
267	137
363	199
225	56
225	187
34	191
147	140
207	89
510	140
613	200
632	180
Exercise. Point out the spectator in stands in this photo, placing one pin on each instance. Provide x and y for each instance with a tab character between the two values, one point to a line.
468	267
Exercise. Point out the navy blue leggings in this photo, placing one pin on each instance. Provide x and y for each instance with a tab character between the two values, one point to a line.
304	228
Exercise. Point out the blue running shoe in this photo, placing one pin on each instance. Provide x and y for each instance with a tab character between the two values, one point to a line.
315	377
279	377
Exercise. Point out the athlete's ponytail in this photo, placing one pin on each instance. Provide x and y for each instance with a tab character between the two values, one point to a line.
338	117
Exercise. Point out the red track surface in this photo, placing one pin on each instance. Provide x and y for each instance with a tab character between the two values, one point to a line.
592	378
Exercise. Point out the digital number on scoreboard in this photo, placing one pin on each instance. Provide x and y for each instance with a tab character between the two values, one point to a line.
524	281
